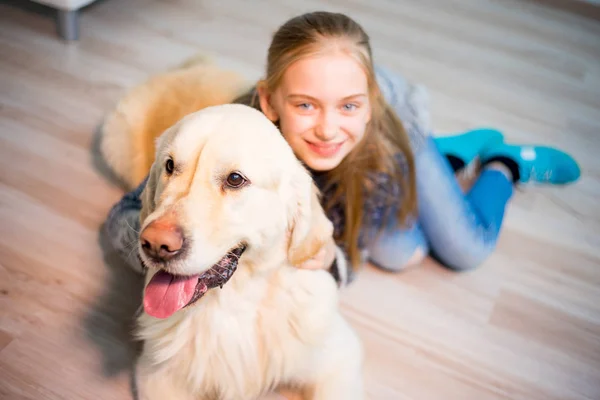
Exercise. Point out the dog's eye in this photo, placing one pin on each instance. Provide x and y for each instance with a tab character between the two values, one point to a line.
169	166
235	180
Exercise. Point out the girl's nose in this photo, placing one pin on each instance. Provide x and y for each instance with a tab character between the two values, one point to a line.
328	128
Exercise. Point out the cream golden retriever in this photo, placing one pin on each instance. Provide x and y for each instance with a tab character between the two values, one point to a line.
228	211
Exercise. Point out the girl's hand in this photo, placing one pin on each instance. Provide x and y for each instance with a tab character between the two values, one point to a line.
323	259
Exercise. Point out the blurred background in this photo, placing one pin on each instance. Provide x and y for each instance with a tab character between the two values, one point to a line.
526	325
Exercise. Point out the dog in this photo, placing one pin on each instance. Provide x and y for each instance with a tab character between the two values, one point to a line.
228	212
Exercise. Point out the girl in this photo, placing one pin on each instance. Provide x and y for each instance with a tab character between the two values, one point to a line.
387	185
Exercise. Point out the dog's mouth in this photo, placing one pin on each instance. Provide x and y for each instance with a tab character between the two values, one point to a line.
167	293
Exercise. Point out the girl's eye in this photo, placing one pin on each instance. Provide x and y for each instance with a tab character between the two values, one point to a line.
350	107
304	106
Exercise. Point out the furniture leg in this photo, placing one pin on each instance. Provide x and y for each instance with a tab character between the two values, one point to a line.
68	24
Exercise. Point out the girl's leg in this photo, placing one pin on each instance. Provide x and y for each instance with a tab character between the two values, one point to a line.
459	230
462	229
395	249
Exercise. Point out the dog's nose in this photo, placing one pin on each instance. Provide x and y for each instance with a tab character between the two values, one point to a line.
162	240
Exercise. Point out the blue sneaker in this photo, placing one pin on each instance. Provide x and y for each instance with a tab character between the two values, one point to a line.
534	163
461	149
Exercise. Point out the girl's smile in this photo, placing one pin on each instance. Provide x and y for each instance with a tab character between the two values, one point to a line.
325	150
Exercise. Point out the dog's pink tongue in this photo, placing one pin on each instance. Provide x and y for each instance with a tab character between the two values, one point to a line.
166	293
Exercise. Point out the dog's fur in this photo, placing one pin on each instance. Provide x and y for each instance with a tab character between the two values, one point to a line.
272	325
129	131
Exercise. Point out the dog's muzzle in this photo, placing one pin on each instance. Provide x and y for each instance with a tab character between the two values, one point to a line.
167	293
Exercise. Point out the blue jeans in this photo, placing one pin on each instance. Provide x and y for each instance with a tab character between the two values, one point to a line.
458	229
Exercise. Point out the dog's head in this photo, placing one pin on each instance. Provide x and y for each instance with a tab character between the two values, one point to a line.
224	185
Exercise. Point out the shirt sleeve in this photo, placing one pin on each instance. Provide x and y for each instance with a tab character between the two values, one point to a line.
123	224
341	268
409	101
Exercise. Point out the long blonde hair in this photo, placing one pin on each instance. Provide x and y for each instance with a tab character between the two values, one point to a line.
385	137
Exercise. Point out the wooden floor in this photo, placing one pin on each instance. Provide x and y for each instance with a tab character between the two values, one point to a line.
526	325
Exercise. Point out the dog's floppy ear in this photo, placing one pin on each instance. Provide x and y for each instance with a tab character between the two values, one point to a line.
310	228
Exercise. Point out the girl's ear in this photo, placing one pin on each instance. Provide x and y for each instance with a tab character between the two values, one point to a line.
265	103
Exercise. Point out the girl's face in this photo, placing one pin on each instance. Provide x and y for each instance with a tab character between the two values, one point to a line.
322	106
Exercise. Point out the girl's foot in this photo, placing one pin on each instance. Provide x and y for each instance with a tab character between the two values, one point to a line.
461	149
534	163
